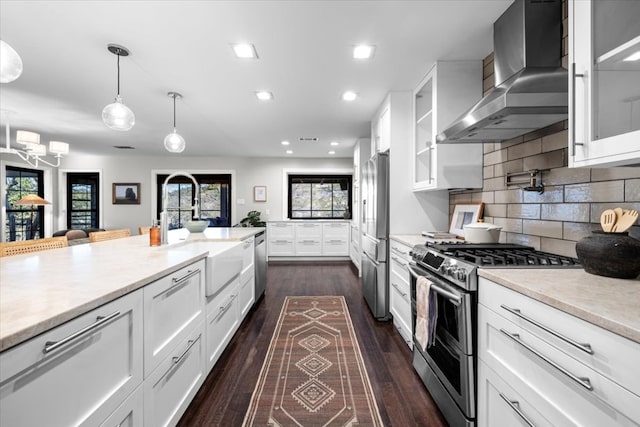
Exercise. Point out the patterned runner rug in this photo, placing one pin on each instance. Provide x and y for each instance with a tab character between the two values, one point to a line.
313	374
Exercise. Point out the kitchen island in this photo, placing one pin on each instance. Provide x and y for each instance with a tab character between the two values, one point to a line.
129	331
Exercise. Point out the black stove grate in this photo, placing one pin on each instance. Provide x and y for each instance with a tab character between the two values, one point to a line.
497	255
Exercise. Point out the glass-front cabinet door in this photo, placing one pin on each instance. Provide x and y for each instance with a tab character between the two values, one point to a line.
604	58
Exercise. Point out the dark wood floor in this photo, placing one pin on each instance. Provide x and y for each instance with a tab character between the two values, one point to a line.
225	395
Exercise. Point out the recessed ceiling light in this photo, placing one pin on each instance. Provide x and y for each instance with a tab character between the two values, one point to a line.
334	143
332	152
349	96
264	95
363	51
633	57
245	51
289	151
285	143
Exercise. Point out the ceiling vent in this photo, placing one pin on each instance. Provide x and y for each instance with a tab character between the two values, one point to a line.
308	139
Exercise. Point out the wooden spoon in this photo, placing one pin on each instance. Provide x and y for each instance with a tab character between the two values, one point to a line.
608	220
625	221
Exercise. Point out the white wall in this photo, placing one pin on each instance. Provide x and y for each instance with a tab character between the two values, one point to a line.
247	172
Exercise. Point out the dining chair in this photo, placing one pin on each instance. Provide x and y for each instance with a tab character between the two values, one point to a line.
143	230
28	246
99	236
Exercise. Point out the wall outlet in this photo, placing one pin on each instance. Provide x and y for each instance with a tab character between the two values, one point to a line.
241	201
266	212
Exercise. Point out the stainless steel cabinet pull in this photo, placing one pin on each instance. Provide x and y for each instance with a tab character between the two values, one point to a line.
186	276
177	359
580	346
335	241
584	382
404	294
50	346
515	405
395	248
572	122
399	261
226	307
453	298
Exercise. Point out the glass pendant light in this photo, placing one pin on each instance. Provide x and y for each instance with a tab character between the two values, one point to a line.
174	142
118	116
10	63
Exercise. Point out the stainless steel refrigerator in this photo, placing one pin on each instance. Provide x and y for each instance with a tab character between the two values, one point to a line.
375	235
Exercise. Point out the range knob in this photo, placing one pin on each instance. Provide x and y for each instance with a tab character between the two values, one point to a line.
453	271
461	275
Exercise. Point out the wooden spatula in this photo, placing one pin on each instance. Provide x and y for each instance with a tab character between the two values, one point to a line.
608	220
625	221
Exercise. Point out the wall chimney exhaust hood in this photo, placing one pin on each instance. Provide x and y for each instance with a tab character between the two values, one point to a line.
531	86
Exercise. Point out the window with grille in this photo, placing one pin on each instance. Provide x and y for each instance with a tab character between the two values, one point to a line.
23	222
215	199
319	196
82	200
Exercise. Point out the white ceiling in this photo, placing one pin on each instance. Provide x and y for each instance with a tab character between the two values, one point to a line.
184	46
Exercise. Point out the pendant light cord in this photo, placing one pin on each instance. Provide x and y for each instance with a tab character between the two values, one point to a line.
118	55
174	112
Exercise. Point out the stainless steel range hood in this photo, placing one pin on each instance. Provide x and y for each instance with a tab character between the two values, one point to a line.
531	86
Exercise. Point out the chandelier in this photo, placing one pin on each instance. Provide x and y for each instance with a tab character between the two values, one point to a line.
33	152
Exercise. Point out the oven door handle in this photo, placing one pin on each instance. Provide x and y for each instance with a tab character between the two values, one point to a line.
455	299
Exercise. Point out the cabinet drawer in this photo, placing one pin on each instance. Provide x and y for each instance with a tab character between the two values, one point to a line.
97	364
281	247
248	251
500	405
400	267
336	229
130	413
280	229
308	230
335	247
170	388
308	247
403	329
400	249
173	305
400	300
246	294
613	356
584	395
222	322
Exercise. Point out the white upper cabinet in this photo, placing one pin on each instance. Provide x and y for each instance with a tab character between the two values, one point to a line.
381	128
446	92
604	83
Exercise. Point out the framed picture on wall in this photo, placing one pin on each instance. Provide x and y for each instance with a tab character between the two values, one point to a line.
464	214
260	193
126	193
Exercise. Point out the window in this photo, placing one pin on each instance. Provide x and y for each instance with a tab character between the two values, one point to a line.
24	222
215	199
319	196
82	200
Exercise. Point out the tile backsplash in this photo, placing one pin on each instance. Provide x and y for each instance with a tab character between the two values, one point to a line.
573	198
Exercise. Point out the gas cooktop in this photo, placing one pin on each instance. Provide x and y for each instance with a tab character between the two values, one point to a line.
502	255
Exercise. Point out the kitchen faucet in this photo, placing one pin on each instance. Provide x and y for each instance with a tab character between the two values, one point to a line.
164	223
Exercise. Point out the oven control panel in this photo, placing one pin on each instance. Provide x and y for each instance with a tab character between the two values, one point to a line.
459	272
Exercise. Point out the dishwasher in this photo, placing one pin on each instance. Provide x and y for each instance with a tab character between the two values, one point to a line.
260	264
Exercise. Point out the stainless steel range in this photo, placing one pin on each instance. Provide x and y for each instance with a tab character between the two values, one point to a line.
448	366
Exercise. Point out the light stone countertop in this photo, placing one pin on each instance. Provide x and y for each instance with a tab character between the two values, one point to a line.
612	304
409	239
41	290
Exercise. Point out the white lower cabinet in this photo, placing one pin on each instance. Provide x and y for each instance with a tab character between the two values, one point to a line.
400	290
173	305
173	384
246	294
552	386
308	238
77	373
130	413
222	321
